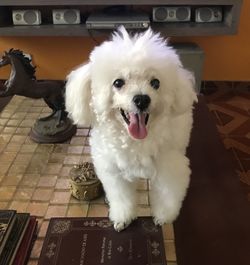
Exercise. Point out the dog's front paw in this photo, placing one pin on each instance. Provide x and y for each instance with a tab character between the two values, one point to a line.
121	216
121	226
164	215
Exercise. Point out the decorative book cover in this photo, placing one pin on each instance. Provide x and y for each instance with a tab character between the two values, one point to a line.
7	218
15	238
93	241
27	242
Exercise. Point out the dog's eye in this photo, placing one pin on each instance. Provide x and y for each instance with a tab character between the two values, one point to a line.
155	83
119	83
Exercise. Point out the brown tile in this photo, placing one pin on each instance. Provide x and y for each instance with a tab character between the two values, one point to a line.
47	181
3	205
14	123
11	180
19	206
6	192
98	210
19	139
42	194
43	229
56	158
17	168
7	157
5	138
65	171
23	193
142	184
37	208
170	250
38	163
56	211
62	184
72	159
18	115
60	148
9	130
33	262
44	148
75	149
23	158
82	132
143	210
142	198
28	148
27	123
168	231
77	140
61	197
36	250
52	168
23	131
78	210
30	180
11	147
3	121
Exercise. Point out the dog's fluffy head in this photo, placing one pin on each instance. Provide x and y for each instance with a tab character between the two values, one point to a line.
132	80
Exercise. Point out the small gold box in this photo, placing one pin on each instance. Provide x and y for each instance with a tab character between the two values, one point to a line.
84	184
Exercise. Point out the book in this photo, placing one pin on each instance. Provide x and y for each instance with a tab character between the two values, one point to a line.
16	234
7	220
24	250
93	241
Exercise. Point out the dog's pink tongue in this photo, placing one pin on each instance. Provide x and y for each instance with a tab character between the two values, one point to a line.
137	126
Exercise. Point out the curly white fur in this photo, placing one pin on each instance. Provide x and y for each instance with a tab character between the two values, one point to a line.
119	158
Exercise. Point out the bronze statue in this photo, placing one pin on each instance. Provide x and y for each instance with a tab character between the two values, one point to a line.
22	81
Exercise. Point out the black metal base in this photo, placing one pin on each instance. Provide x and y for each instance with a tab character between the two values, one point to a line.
49	131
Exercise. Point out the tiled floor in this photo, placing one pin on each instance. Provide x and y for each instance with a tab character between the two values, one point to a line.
35	177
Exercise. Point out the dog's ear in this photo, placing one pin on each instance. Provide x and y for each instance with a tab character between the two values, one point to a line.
184	94
78	95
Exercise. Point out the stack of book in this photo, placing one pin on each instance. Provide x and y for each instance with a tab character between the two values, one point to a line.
17	234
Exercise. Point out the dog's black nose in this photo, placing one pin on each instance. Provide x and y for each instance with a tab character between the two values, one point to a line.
141	101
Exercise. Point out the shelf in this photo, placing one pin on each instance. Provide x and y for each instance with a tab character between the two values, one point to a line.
229	26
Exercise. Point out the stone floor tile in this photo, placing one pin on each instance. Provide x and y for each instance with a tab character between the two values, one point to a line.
47	181
17	168
30	180
4	168
56	158
62	184
77	140
28	148
80	210
6	192
143	210
72	159
56	211
9	130
3	205
23	193
13	122
23	131
65	171
41	194
3	121
60	197
19	206
98	210
60	148
142	198
52	168
12	179
12	147
170	250
168	231
20	139
44	148
82	132
33	262
23	158
43	228
75	150
37	208
5	138
36	250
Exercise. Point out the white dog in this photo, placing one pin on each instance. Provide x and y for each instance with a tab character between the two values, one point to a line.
138	99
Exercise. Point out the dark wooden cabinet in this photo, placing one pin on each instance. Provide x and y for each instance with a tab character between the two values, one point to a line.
229	24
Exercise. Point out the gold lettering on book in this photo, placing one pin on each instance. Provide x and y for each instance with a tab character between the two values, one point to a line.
130	250
103	250
109	251
51	250
83	249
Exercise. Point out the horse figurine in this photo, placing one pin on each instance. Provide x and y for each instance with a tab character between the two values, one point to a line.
22	81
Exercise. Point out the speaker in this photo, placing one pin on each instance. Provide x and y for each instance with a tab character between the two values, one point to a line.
171	14
66	16
208	14
26	17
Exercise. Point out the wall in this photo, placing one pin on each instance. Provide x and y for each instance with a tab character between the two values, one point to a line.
226	57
